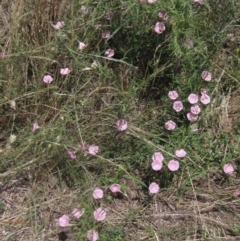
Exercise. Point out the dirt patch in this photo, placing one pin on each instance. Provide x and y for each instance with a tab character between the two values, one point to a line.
30	212
229	112
234	111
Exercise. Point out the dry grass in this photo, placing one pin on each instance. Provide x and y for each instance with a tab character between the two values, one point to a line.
32	209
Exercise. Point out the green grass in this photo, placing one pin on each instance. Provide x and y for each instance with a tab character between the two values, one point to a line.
85	105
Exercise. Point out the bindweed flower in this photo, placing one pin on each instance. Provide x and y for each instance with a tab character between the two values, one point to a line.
98	193
159	27
58	25
156	165
114	188
109	15
237	192
198	1
35	126
228	168
170	125
99	214
192	117
153	188
177	105
92	235
193	98
180	153
207	76
63	221
122	125
109	53
64	71
47	79
157	162
93	149
81	46
158	156
195	109
106	34
71	154
163	15
77	213
151	1
173	165
173	95
205	99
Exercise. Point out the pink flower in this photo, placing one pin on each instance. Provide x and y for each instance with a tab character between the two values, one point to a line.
170	125
180	153
106	34
64	71
109	15
177	105
198	1
81	45
163	15
71	154
77	213
98	193
157	165
115	188
99	214
173	165
173	95
151	1
93	149
109	53
228	168
193	98
58	25
122	125
47	79
35	126
159	27
157	156
207	76
195	109
205	99
153	188
237	192
63	221
92	235
192	117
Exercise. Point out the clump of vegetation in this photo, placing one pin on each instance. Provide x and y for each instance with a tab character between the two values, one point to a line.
113	115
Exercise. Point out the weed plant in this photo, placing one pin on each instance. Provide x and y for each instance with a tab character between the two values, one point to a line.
99	119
